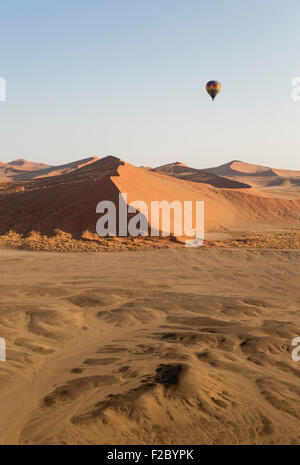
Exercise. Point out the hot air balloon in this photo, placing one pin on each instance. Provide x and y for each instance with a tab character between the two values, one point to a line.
213	88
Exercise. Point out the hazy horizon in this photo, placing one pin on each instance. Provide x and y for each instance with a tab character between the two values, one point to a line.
128	79
141	165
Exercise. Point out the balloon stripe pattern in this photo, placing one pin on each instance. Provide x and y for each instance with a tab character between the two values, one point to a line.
213	88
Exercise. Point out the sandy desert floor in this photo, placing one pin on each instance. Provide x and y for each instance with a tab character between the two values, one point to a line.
169	346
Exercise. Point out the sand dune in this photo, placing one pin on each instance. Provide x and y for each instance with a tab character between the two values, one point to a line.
175	346
8	173
56	170
25	165
20	170
181	171
225	208
237	167
13	169
68	202
280	183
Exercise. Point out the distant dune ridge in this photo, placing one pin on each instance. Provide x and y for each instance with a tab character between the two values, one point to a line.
26	165
238	168
275	182
65	197
181	171
20	170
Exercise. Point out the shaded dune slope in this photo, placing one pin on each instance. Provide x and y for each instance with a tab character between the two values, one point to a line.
257	175
68	202
181	171
25	165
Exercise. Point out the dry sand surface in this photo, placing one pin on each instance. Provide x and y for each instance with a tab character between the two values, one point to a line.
172	346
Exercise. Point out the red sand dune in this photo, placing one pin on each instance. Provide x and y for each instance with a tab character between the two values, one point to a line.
8	173
239	168
13	169
21	170
25	165
274	182
68	202
57	170
182	171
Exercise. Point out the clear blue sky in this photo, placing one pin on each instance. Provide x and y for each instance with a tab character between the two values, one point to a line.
127	77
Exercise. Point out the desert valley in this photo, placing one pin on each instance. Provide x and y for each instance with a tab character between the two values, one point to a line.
155	342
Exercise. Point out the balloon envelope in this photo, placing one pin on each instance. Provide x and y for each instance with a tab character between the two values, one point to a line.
213	88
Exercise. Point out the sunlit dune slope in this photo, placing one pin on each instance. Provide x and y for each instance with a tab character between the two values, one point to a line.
68	202
276	182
